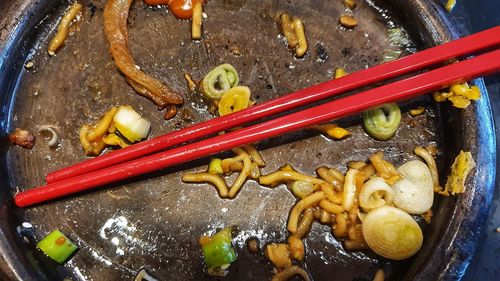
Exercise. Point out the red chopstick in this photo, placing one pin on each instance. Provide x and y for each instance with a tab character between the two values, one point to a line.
473	43
404	89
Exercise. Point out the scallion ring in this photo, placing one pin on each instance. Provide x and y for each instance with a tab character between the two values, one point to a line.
382	122
218	81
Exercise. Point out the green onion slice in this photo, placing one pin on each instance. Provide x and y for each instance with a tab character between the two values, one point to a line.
383	121
57	246
219	80
219	250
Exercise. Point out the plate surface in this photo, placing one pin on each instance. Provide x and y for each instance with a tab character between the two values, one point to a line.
155	221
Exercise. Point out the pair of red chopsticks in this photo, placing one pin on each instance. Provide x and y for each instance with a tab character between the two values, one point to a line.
139	159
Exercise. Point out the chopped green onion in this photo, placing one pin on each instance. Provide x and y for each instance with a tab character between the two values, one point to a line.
217	249
57	246
382	122
219	80
130	124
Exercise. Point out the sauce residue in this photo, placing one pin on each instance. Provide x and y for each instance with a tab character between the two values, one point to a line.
182	9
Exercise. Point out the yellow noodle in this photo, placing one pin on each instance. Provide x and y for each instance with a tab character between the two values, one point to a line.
245	172
84	130
63	28
101	127
331	207
197	20
380	275
349	195
304	203
288	32
278	177
331	176
209	178
305	223
340	227
431	163
335	197
298	27
358	165
254	155
384	169
367	172
325	217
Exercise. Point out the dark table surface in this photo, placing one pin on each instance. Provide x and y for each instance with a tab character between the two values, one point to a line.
474	16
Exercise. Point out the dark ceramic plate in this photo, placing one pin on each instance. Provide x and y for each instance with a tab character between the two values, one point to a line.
155	221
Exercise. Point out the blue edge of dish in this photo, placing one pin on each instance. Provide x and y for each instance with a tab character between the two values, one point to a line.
17	48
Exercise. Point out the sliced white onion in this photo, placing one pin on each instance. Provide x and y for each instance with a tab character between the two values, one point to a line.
392	233
375	193
414	193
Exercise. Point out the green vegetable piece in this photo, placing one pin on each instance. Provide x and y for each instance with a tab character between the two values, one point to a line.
215	167
57	246
219	250
382	122
219	80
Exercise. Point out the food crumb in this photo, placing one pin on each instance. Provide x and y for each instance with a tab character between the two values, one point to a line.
348	21
22	138
235	50
253	245
27	225
29	65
